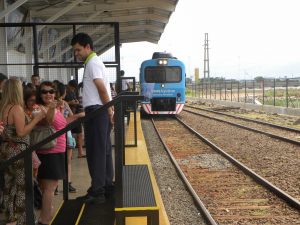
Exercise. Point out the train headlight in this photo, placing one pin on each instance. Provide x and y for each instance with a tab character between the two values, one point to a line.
162	62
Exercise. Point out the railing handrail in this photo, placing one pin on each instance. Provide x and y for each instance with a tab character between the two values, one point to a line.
70	126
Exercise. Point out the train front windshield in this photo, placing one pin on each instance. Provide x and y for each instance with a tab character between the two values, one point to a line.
163	74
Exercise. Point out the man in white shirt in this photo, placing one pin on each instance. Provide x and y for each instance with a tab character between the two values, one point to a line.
96	92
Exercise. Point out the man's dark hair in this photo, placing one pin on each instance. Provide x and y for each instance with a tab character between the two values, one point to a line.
82	39
2	77
35	75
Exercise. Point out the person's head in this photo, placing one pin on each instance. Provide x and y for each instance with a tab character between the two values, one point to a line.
29	98
82	44
122	73
73	84
2	79
12	93
35	79
60	90
31	86
45	93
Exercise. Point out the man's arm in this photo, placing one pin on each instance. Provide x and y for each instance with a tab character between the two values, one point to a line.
102	91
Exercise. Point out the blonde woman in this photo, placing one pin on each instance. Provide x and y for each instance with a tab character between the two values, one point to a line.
16	130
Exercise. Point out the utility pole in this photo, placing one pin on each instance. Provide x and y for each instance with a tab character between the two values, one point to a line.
206	58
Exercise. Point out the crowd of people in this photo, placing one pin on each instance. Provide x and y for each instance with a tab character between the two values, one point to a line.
24	106
18	102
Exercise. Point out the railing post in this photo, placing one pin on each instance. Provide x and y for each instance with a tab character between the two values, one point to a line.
253	91
209	89
119	151
215	89
245	91
287	92
238	90
66	180
231	90
274	92
263	87
225	91
220	84
29	189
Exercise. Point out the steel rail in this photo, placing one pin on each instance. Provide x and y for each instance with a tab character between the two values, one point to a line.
196	198
247	119
248	128
259	179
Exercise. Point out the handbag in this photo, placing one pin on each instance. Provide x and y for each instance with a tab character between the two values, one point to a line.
39	133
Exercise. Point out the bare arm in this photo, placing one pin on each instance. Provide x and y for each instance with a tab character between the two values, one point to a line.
104	97
22	128
71	117
103	93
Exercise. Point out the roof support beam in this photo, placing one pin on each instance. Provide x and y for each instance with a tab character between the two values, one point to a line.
69	47
11	8
70	31
63	11
128	5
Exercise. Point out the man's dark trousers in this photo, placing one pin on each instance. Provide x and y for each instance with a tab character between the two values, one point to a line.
98	151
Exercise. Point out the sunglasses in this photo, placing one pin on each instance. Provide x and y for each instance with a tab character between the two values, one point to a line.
50	91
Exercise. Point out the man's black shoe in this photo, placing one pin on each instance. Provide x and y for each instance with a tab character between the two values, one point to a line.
89	199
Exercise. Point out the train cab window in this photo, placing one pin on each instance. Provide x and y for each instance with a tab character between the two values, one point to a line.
162	74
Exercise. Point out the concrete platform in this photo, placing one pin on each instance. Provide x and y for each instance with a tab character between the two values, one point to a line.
133	155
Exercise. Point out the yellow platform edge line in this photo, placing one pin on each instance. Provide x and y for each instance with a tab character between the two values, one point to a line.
61	204
80	214
136	209
132	158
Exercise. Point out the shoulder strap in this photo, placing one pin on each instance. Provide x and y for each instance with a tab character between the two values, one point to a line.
8	114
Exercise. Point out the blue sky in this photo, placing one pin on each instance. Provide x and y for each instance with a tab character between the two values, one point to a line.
247	38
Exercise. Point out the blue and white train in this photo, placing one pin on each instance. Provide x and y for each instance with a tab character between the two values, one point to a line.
162	83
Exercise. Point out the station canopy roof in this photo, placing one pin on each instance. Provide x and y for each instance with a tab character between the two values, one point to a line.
140	20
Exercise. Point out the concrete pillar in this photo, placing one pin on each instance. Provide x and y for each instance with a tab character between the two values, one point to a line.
28	49
3	41
45	52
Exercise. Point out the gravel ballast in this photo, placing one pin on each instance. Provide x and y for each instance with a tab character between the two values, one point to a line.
178	203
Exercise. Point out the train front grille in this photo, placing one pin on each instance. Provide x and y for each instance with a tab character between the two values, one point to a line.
163	104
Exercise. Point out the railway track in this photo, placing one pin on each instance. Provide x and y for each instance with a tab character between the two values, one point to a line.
284	133
225	192
258	121
272	158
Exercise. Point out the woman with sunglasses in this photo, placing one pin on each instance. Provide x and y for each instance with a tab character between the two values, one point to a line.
52	168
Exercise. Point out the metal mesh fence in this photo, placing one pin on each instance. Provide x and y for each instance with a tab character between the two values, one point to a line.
276	92
46	49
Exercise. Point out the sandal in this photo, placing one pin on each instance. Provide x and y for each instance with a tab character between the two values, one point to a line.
81	156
